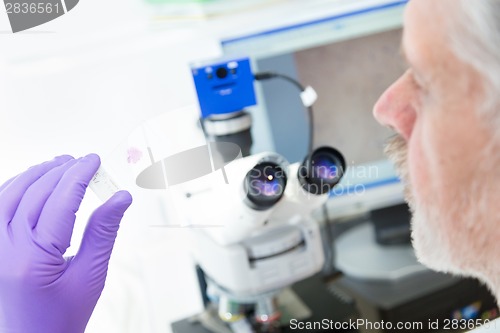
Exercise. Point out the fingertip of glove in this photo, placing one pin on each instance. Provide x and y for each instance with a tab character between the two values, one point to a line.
92	158
115	207
122	199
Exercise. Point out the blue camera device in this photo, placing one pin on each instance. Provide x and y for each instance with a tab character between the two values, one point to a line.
224	86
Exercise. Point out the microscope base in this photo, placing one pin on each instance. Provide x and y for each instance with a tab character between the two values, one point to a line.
312	292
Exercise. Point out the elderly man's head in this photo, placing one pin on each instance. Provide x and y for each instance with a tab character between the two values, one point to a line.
446	110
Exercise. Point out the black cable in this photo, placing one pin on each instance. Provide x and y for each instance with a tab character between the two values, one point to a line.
272	75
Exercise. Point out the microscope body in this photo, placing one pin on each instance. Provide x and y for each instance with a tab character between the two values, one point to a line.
248	251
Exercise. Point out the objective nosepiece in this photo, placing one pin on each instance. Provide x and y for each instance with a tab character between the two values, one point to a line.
230	311
267	311
322	170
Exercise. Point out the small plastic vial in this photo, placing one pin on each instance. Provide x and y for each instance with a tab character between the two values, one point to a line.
102	185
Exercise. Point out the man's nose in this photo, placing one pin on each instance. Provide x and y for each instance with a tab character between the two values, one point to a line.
395	108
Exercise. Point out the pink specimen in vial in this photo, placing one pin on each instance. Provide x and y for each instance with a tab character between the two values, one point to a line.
134	155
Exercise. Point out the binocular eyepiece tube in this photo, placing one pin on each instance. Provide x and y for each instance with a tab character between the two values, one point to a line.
265	183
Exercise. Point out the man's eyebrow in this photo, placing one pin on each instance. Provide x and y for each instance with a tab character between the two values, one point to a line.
406	59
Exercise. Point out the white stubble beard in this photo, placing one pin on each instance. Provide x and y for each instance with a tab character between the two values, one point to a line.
430	238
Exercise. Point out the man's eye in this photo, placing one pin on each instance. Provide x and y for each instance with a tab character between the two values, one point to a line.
415	82
419	82
420	94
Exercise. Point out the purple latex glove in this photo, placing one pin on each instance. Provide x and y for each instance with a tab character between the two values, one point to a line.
40	290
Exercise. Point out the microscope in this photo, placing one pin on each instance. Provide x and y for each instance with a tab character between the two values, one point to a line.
257	236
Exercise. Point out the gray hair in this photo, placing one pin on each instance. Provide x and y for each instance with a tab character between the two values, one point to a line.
476	41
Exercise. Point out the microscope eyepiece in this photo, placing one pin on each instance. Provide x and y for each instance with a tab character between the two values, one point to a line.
321	170
264	185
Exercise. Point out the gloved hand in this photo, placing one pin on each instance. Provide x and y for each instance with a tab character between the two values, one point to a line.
40	290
